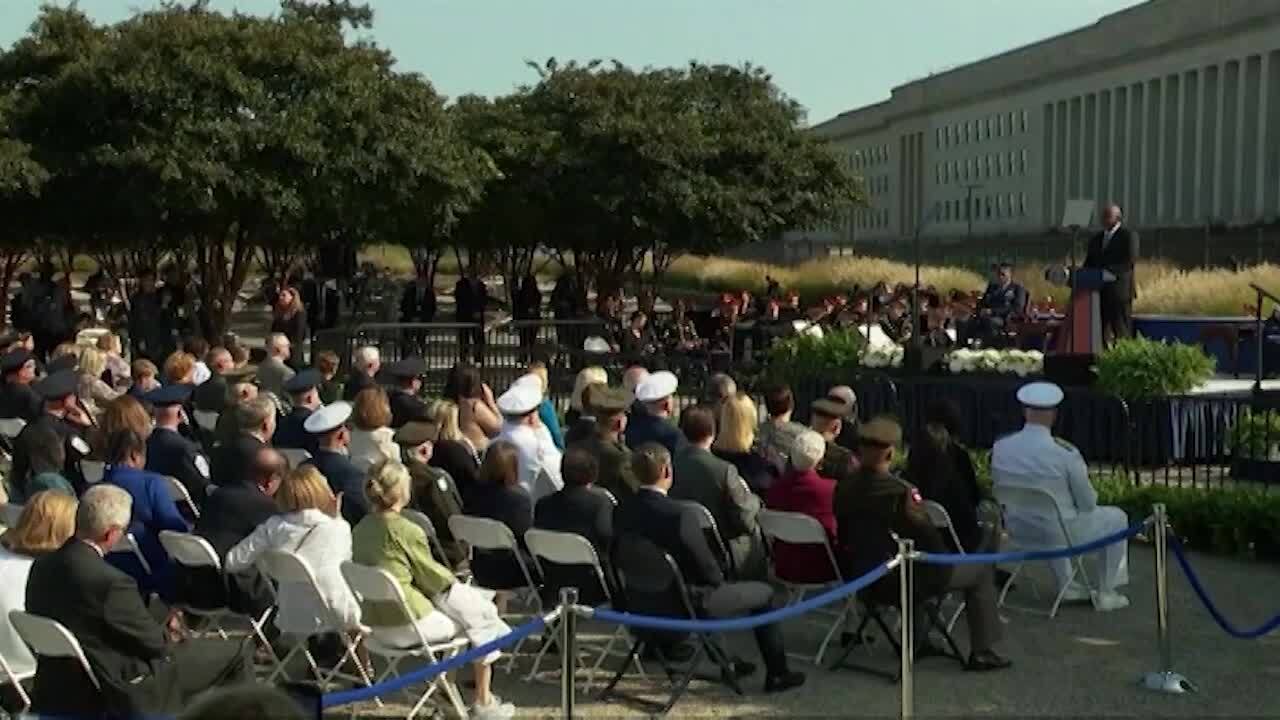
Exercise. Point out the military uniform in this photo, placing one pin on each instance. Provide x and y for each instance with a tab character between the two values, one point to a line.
168	453
406	407
19	401
434	492
52	387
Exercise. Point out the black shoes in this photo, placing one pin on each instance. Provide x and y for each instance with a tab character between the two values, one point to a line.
783	682
986	661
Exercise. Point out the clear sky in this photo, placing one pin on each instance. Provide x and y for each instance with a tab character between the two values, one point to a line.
831	55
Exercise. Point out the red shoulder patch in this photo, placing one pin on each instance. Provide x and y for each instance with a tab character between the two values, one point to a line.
916	497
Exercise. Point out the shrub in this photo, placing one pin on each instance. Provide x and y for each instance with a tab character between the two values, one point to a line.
805	357
1140	368
1256	435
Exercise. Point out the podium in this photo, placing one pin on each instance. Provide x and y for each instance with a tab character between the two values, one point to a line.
1082	332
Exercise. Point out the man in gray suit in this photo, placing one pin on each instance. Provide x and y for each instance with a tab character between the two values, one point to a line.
273	373
704	478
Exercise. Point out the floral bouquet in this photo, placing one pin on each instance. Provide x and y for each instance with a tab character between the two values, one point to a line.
883	356
1007	362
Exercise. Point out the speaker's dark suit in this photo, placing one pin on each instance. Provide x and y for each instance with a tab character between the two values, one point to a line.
1116	298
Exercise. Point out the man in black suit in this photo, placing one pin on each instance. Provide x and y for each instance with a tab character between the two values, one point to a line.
418	305
17	399
674	527
211	395
140	671
256	423
1115	249
581	509
406	406
329	426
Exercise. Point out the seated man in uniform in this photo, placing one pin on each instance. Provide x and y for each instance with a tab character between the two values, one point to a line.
303	390
329	425
1002	299
168	452
1033	457
878	505
433	491
17	399
406	406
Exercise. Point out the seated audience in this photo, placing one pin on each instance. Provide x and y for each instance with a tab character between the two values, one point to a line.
329	425
47	458
651	420
498	495
180	369
168	452
803	490
675	528
432	491
141	672
478	416
240	389
580	509
153	511
63	414
371	433
943	471
546	411
827	418
778	431
330	387
717	486
304	397
17	398
145	378
847	437
91	389
256	423
117	372
453	452
879	505
720	387
735	442
365	365
403	394
609	409
577	419
211	395
442	608
539	464
48	520
274	371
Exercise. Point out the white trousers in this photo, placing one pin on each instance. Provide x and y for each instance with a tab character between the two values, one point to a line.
1112	561
464	609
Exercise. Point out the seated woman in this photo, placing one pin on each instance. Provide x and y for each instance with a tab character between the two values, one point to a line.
498	495
803	490
735	442
47	521
92	390
943	472
478	416
547	411
371	433
311	527
453	452
117	372
440	608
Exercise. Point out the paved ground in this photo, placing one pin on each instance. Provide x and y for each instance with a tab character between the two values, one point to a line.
1081	664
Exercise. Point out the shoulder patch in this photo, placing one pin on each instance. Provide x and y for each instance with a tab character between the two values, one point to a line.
202	466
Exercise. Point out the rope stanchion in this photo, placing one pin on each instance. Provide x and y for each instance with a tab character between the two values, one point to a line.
568	649
1164	679
1227	626
906	553
751	621
1030	555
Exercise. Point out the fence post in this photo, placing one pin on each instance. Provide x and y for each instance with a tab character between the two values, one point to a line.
1164	679
906	549
568	649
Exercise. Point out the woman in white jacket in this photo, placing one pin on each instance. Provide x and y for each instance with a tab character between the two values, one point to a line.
312	528
371	435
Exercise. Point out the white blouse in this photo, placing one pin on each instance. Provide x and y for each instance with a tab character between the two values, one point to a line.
370	447
13	591
325	543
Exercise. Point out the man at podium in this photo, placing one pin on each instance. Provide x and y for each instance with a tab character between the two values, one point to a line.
1114	249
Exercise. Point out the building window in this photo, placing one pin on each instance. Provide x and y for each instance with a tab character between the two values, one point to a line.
1022	204
968	126
1023	122
999	123
988	207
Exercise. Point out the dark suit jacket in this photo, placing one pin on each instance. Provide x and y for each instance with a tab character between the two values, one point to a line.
759	473
356	382
211	395
406	408
290	432
583	511
513	507
168	453
232	513
418	304
1118	257
20	471
672	526
456	459
706	479
344	477
19	401
231	461
645	427
101	606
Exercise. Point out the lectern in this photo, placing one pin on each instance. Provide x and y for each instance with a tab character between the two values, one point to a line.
1082	332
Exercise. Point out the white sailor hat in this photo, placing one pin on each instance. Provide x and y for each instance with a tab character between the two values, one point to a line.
1040	395
520	399
328	418
533	381
595	344
657	386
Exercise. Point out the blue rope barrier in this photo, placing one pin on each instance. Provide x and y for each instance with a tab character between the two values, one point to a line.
395	684
742	623
1223	622
994	558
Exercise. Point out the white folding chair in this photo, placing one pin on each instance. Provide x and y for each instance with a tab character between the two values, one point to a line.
181	494
9	514
93	471
1030	500
372	584
420	519
491	535
794	528
295	456
607	493
48	638
941	520
15	679
707	522
564	548
11	427
129	544
195	553
290	568
206	420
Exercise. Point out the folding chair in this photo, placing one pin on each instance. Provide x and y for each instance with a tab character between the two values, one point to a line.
607	493
295	456
10	428
433	540
129	544
49	638
376	585
556	555
9	514
1026	499
490	535
652	584
93	471
181	495
15	679
287	567
796	528
206	420
196	554
712	531
941	520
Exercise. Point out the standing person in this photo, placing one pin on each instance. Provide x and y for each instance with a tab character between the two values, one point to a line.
274	371
168	452
149	326
141	672
329	425
289	318
528	310
1115	249
418	305
1034	457
471	298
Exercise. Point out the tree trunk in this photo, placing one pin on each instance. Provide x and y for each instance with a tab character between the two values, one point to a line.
10	262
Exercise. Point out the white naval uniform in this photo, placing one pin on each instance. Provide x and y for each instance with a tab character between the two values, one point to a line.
1032	457
539	458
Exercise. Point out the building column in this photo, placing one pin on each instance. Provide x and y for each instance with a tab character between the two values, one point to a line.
1260	142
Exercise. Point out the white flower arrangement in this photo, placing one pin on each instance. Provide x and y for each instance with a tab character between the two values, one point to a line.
883	356
1012	362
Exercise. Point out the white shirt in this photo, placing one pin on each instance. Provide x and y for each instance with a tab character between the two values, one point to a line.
370	447
325	549
1033	457
14	569
1106	234
201	373
539	458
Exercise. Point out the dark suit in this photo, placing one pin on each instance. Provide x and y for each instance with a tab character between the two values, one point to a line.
434	494
1116	298
20	401
406	408
645	427
230	515
290	432
344	477
614	460
211	395
356	382
140	672
583	511
168	453
418	303
232	461
456	459
513	507
21	468
715	484
1004	301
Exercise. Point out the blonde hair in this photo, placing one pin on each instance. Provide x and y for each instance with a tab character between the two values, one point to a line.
66	348
47	521
92	362
304	488
371	409
387	484
109	342
539	368
445	413
592	375
737	424
179	366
